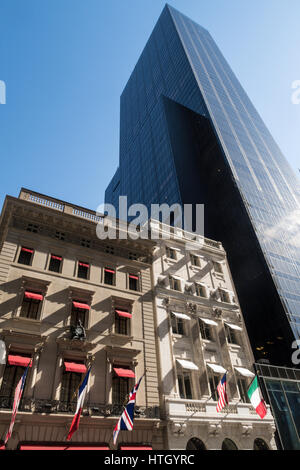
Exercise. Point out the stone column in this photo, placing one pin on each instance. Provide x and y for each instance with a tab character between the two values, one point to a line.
57	378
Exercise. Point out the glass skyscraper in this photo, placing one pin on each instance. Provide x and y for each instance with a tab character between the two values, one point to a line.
190	134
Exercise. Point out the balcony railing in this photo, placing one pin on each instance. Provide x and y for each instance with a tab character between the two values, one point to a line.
60	206
35	405
177	407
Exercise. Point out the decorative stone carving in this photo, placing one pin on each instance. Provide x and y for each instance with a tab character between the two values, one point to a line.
246	429
192	308
214	429
179	428
78	331
217	312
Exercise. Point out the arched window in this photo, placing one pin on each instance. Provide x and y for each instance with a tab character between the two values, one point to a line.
228	444
260	444
195	444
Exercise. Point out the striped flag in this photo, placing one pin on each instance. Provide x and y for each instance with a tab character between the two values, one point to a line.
80	400
256	398
125	422
17	399
221	388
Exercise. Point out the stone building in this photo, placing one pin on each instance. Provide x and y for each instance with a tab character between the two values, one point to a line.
69	300
201	335
163	308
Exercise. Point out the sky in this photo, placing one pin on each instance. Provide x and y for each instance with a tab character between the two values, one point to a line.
65	64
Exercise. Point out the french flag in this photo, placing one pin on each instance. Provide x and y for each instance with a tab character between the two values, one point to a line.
80	400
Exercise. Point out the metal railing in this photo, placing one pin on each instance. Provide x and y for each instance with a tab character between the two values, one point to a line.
36	405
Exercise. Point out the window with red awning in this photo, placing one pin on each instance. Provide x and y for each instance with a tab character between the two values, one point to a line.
109	276
133	276
25	256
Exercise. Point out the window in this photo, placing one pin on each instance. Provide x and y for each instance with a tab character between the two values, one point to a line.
110	250
133	256
122	322
55	263
177	325
175	284
31	305
224	296
228	444
243	388
195	260
170	253
60	235
184	385
69	388
83	270
120	386
84	242
109	276
231	335
25	256
213	383
32	228
217	267
11	377
200	290
133	282
79	312
205	330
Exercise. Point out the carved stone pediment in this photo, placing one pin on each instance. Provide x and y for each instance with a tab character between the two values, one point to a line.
74	344
19	341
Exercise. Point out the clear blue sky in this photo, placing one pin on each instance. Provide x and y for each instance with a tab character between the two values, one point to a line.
66	62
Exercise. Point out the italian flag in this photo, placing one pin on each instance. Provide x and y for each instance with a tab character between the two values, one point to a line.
256	398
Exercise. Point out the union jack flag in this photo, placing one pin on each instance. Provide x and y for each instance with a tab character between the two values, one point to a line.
17	399
221	388
125	422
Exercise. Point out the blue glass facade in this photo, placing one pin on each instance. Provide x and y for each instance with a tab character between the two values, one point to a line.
185	119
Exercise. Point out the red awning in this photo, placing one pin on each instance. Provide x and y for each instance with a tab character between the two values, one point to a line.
107	270
81	305
59	258
133	276
86	265
62	447
2	447
28	250
33	295
75	367
18	361
136	448
124	373
121	313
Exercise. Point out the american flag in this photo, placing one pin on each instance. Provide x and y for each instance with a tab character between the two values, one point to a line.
125	422
221	388
17	399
